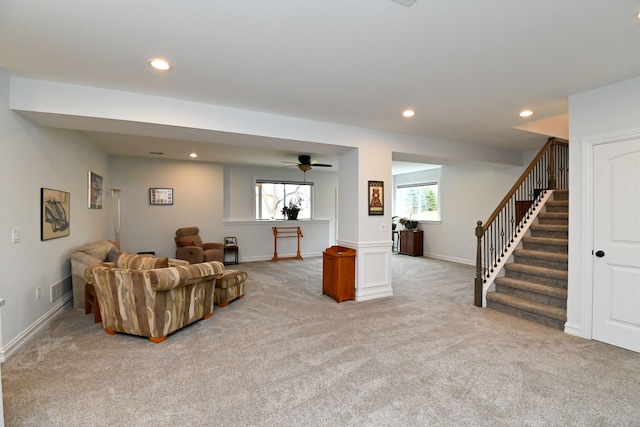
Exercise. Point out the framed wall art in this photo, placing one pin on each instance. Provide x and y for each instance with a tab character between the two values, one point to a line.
161	196
230	241
94	183
376	198
55	207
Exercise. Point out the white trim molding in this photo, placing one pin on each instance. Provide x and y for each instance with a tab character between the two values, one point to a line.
373	269
585	330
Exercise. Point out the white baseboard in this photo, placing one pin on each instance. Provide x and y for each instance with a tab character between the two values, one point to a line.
573	329
18	342
270	257
452	259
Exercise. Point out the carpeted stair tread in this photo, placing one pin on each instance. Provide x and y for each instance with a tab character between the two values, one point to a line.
561	203
548	256
550	227
537	271
546	241
559	215
529	306
532	287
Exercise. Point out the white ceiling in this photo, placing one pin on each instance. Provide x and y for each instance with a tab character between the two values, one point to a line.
466	67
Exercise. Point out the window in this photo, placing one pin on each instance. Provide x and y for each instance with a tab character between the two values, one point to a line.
418	201
272	196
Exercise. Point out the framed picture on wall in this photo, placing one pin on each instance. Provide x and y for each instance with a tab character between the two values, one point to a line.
55	207
376	198
161	196
94	183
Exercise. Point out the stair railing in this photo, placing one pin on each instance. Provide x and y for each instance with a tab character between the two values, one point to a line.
548	171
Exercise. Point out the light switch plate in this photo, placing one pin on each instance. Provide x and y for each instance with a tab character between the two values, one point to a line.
15	235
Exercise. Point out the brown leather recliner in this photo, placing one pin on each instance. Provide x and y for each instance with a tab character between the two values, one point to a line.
189	247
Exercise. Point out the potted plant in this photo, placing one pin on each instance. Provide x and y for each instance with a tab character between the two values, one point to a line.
291	211
408	223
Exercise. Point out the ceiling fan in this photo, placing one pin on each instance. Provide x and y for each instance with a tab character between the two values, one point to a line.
305	163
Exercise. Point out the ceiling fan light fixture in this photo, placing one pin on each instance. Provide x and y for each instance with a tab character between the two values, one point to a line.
304	168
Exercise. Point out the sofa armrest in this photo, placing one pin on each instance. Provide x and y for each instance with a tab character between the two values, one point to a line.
176	262
193	254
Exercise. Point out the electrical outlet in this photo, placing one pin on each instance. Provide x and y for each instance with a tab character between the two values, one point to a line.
384	227
38	292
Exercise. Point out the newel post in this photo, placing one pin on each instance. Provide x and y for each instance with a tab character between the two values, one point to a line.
477	294
552	166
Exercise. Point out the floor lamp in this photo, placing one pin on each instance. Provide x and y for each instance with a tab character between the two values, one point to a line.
115	198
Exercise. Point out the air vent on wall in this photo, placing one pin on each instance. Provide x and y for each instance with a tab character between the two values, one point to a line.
405	2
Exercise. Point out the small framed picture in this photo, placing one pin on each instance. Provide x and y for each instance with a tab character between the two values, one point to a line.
95	190
161	196
376	198
230	241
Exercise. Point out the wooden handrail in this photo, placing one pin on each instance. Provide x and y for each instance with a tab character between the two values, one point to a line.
505	222
511	192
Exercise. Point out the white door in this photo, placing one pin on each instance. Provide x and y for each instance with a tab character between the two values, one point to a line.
616	223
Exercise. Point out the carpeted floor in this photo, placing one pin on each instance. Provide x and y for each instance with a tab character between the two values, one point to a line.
286	355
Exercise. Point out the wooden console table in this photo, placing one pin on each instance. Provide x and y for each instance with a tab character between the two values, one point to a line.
411	242
284	233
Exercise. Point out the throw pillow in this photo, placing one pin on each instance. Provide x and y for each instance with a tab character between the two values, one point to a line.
111	256
148	263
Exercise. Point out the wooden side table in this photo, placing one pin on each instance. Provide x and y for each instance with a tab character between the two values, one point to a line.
231	250
91	300
339	273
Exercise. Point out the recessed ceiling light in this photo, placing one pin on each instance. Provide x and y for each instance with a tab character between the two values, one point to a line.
408	113
160	64
193	155
526	113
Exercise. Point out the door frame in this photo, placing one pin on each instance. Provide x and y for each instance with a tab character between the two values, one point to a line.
588	148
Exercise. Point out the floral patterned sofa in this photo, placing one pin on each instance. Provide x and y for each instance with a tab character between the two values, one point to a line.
84	257
141	295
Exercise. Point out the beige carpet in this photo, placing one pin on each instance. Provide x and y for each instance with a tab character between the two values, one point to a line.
286	355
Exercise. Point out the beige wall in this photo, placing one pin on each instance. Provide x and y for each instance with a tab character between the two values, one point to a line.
467	195
204	193
605	111
33	157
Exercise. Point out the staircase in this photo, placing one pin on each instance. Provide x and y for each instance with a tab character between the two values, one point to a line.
534	286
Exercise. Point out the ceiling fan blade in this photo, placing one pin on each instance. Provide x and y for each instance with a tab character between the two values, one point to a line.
322	165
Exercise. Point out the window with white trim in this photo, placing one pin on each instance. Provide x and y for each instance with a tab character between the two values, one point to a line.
272	196
418	202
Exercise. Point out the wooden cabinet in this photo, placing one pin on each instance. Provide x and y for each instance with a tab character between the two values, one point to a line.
339	273
411	242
